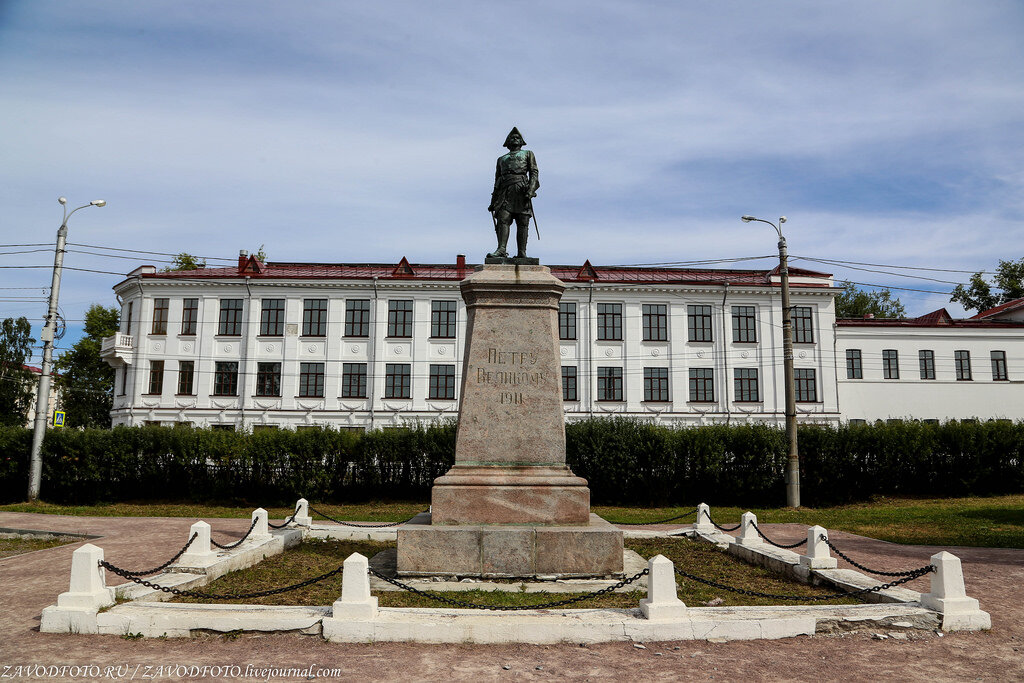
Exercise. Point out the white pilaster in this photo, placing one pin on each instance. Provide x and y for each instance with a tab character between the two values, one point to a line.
748	534
948	596
817	555
662	602
356	601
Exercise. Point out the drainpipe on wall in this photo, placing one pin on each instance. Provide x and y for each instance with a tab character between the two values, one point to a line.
244	360
590	353
137	352
725	359
372	374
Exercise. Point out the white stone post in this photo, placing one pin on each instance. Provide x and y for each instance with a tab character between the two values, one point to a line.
748	534
703	523
817	555
948	596
356	601
302	517
199	553
75	611
662	602
261	531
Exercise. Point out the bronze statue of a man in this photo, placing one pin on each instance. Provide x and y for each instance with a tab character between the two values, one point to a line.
515	185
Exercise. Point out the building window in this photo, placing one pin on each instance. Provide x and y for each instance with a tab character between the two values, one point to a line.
314	317
272	318
698	323
854	368
746	386
566	320
189	316
128	318
400	318
999	366
442	319
890	364
803	325
357	318
569	382
230	317
225	378
806	385
962	359
656	384
311	380
609	322
353	380
156	377
268	379
160	307
186	377
397	379
442	381
655	318
926	359
124	381
702	384
609	383
744	324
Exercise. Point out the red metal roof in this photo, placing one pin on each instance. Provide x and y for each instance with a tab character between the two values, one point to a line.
939	318
1011	305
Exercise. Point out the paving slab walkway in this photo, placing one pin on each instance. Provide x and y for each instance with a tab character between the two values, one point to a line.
32	581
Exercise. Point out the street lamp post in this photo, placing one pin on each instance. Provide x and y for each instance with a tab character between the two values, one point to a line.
47	335
793	461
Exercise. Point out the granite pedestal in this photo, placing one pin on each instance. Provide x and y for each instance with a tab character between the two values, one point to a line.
510	506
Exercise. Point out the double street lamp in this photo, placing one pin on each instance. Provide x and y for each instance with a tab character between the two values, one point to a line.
793	461
47	335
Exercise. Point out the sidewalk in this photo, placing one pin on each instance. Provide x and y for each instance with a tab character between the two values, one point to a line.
32	581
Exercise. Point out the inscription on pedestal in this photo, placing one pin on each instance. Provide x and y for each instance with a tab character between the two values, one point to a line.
510	369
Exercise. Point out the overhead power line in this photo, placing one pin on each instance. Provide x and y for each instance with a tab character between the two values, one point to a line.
157	253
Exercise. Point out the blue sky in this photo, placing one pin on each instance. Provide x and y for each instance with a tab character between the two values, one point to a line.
887	132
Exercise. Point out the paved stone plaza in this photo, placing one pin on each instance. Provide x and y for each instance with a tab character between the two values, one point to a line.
994	576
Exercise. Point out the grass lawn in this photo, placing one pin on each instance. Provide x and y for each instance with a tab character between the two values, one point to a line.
26	544
313	558
996	522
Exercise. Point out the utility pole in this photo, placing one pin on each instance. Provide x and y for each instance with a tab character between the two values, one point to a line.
47	335
793	459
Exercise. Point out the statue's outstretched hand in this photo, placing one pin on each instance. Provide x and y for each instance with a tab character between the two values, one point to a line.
490	207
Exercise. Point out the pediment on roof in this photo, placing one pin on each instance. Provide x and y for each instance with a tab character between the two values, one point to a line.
403	269
939	317
586	272
254	265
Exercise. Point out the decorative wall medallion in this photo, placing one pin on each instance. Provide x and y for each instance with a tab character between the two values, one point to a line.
655	352
700	354
803	354
398	350
442	350
270	348
158	347
228	348
744	354
311	348
354	348
608	352
564	352
187	347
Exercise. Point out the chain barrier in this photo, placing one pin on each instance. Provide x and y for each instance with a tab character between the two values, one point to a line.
660	521
778	545
286	522
219	596
229	546
858	565
509	608
358	526
165	565
846	594
722	528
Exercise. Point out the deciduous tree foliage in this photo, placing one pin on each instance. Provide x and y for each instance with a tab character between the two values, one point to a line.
854	302
85	379
16	383
979	295
185	261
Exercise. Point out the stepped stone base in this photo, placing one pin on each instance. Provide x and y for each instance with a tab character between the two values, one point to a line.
516	496
593	549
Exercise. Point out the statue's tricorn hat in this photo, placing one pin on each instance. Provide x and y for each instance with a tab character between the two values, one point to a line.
514	131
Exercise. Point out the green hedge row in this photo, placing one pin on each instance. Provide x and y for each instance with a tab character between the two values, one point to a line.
626	461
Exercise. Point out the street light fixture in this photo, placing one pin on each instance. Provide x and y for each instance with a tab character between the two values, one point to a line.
47	335
793	461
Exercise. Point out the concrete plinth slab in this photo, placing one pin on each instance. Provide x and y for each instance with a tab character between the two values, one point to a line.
510	551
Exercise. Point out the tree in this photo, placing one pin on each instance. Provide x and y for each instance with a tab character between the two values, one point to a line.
85	379
854	302
185	261
17	384
978	295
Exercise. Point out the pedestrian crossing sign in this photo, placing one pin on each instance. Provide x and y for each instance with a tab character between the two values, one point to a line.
58	418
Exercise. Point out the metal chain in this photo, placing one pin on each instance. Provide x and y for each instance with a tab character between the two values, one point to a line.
165	565
722	528
873	589
778	545
509	608
358	526
286	522
229	546
660	521
215	596
858	565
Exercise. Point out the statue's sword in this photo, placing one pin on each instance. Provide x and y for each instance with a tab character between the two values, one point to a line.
534	214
